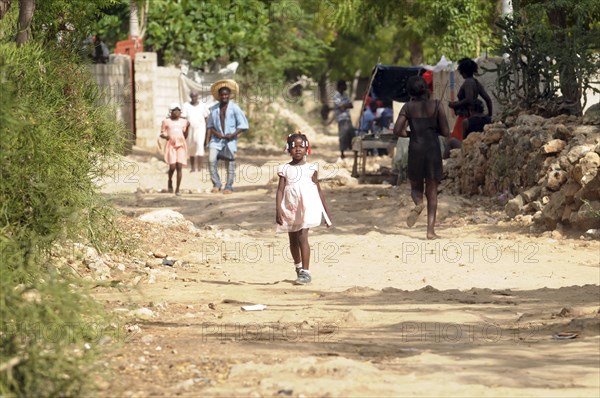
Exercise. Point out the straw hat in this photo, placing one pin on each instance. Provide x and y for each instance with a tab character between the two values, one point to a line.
230	84
174	105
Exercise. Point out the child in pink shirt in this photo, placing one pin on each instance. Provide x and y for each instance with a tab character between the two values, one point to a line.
175	130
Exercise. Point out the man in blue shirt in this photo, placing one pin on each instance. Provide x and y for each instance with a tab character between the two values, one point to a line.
225	122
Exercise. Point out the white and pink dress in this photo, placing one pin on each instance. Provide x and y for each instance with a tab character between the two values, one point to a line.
301	203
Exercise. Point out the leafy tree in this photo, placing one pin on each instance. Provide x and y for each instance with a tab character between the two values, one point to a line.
559	51
428	28
55	21
253	32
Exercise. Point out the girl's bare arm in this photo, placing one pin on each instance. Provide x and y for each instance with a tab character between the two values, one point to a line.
278	198
315	179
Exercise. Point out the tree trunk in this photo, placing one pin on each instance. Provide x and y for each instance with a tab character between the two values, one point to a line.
4	7
143	17
26	9
324	95
416	52
569	85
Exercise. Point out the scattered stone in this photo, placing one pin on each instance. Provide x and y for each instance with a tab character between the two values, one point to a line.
142	313
169	261
592	234
514	206
553	211
577	152
159	254
160	275
493	135
530	120
592	115
555	179
32	296
531	194
167	218
587	168
554	146
588	216
134	329
147	339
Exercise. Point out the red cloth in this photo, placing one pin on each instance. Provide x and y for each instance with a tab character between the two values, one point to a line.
457	130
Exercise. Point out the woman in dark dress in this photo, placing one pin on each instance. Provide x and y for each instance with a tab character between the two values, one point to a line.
427	121
468	93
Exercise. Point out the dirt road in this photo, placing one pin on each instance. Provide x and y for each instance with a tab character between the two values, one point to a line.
388	313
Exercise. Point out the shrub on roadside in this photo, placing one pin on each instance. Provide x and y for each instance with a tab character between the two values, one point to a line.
55	140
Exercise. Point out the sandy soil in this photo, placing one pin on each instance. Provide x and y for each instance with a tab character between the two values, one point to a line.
388	313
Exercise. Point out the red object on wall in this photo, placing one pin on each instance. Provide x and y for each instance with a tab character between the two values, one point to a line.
129	47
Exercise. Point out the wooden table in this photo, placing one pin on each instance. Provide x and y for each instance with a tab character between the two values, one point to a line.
360	146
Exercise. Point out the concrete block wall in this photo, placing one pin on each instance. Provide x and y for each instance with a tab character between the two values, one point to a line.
115	85
166	91
156	88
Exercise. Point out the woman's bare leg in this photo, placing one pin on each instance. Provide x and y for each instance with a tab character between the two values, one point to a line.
431	187
416	192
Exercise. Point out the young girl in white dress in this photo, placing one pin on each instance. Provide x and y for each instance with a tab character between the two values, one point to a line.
300	203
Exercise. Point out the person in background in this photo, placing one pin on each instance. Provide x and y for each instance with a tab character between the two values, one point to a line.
225	123
342	105
175	130
468	93
101	52
387	114
385	118
477	120
196	112
368	119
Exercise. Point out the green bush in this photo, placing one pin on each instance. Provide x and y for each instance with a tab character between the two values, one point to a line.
55	139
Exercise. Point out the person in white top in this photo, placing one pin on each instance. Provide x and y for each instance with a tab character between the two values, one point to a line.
196	112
